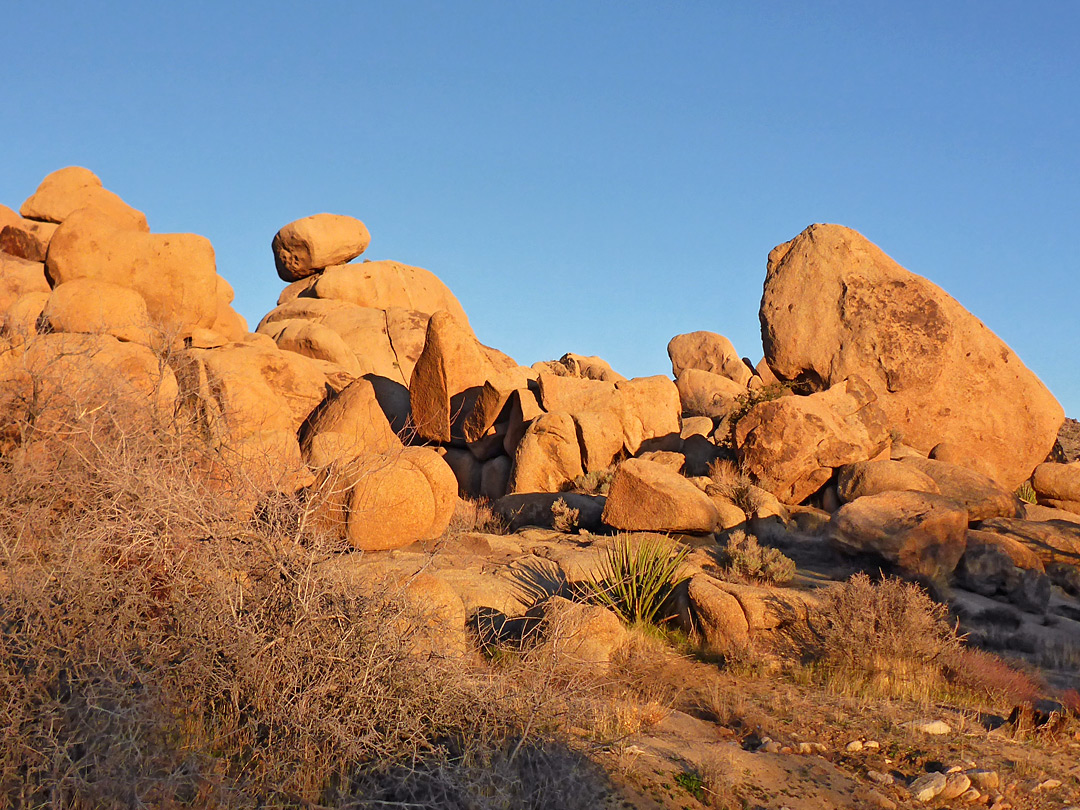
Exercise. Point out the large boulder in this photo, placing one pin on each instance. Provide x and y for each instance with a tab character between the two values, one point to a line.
646	496
313	243
65	191
98	308
384	501
834	305
983	497
1053	541
174	273
348	424
449	376
703	393
922	533
1058	485
871	477
534	509
708	351
790	446
19	277
388	285
548	457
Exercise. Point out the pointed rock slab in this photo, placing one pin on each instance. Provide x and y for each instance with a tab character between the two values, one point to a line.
922	533
489	405
65	191
310	244
548	456
834	305
791	445
175	273
718	616
646	496
449	374
708	351
981	495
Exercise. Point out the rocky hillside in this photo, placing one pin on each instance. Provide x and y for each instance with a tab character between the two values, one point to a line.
885	427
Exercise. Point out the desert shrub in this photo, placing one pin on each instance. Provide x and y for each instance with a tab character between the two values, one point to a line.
165	642
888	637
731	483
472	515
564	517
1026	492
597	482
988	676
743	557
636	577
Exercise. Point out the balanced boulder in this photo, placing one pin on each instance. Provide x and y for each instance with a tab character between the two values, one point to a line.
708	351
834	305
313	243
66	191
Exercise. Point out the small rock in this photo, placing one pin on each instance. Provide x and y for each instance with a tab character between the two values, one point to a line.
854	746
931	727
881	778
874	799
819	748
804	748
1048	784
955	784
872	744
970	795
769	747
983	779
928	786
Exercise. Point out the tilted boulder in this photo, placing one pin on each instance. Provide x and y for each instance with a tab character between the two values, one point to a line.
349	423
646	496
1018	553
922	533
308	245
449	375
1054	541
834	305
872	477
1058	485
708	351
790	446
981	495
66	191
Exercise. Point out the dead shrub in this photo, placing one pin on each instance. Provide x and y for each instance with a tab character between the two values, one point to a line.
597	482
986	675
475	516
888	638
165	642
729	482
564	517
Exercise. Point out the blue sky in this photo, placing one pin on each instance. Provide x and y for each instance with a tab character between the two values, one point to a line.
586	176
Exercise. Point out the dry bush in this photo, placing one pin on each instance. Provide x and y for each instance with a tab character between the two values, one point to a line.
564	517
986	675
729	482
475	516
162	643
744	558
597	482
888	638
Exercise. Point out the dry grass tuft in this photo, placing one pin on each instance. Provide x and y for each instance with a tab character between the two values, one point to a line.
475	516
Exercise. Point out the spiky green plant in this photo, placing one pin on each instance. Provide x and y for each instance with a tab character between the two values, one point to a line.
635	578
1026	492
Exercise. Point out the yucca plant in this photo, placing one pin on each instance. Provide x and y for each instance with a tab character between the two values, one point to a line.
635	578
1026	492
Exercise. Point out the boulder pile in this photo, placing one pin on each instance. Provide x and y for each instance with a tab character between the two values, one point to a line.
882	412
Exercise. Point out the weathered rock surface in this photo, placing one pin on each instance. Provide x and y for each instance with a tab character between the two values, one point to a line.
1058	485
19	277
703	393
98	308
66	191
174	273
983	497
348	424
646	496
885	475
1053	541
791	445
708	351
922	533
834	305
313	243
548	456
388	285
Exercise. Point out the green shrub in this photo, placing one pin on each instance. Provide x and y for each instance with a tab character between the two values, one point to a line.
744	557
1026	492
636	578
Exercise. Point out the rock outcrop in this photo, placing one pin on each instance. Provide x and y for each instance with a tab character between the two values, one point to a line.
834	306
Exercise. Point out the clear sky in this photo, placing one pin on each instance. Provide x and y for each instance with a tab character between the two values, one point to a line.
586	176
